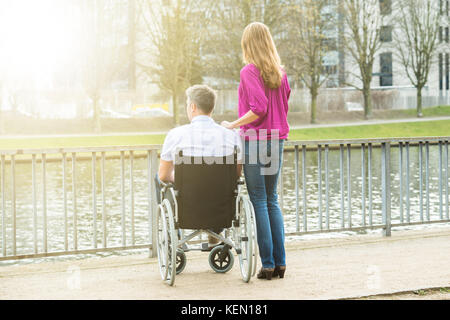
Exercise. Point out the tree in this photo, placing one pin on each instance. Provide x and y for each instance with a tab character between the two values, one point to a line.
223	53
173	32
313	34
416	41
101	52
363	21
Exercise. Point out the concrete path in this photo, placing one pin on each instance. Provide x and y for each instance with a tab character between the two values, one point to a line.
304	126
317	269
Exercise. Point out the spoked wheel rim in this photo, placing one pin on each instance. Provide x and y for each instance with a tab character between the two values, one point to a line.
172	241
245	239
254	239
162	242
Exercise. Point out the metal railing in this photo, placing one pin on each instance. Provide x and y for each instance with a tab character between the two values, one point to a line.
365	149
70	158
76	155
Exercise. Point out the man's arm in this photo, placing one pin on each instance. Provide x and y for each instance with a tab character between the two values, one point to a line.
166	171
239	170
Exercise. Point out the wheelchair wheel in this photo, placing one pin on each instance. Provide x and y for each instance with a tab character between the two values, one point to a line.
220	261
172	243
181	260
162	242
255	240
245	235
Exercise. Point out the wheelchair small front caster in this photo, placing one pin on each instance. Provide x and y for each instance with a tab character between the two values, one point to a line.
221	259
181	260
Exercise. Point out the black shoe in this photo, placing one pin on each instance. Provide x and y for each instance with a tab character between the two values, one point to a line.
279	271
265	273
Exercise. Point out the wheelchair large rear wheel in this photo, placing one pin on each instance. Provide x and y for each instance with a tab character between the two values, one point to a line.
255	240
245	237
162	242
172	243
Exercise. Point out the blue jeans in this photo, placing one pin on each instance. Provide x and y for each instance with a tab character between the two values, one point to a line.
262	189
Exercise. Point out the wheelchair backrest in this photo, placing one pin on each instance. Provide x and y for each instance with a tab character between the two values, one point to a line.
206	188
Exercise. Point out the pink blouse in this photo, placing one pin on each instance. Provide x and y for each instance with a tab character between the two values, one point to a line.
271	105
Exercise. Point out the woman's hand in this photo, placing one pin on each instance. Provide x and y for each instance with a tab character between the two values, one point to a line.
227	125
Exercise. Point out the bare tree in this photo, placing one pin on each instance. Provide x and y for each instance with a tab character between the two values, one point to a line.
223	53
101	51
314	34
363	21
173	32
416	41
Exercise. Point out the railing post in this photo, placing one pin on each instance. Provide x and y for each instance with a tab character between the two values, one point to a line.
386	187
153	206
3	206
297	196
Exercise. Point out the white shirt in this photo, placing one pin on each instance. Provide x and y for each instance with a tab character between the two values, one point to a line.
203	137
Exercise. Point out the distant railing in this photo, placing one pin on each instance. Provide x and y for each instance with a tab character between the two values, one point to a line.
96	229
365	147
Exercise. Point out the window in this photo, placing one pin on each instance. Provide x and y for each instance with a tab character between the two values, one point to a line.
386	69
385	7
441	72
447	75
330	44
386	34
446	35
443	7
440	34
332	69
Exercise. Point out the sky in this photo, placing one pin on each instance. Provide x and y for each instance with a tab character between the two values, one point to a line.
37	38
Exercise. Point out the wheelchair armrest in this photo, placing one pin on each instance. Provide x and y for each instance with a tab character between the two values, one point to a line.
165	185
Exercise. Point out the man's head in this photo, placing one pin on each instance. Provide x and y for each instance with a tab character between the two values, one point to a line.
201	100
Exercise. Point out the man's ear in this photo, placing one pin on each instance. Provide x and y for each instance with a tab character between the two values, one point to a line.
193	107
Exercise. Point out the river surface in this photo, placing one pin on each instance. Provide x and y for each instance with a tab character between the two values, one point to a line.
113	201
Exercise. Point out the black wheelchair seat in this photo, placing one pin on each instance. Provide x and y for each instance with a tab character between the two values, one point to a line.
206	191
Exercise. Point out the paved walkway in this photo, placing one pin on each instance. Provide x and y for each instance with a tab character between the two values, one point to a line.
304	126
317	269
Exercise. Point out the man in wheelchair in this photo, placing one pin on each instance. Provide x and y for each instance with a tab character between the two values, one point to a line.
198	189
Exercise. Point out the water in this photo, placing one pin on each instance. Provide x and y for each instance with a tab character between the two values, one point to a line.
113	204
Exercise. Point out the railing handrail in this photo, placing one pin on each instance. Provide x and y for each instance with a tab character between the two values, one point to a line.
125	148
365	141
67	150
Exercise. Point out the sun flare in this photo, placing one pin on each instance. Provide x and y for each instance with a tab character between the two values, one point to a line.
37	38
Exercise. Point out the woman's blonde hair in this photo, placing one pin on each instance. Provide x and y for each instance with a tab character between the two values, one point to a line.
258	48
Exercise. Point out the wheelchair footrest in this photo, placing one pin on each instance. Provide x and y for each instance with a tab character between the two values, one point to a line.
206	247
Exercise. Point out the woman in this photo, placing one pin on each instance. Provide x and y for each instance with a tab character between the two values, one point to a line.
263	106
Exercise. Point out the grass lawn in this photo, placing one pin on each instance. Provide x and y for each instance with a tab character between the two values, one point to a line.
428	112
389	130
403	129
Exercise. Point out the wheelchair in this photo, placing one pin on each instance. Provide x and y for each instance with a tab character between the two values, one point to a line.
205	197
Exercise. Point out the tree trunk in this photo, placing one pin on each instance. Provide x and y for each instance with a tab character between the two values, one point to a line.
419	102
367	103
176	116
96	117
313	106
131	44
